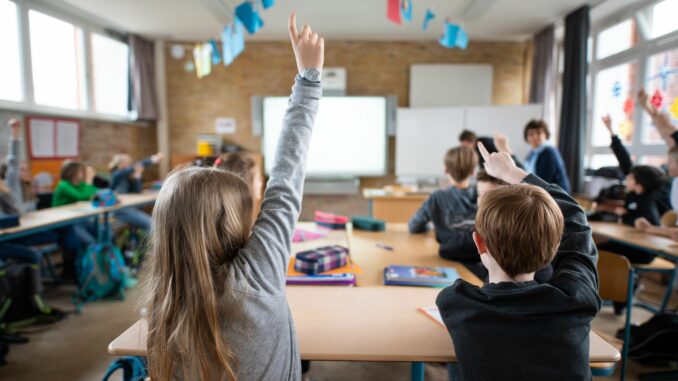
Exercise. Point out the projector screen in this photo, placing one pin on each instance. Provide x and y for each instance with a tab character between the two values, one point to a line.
349	137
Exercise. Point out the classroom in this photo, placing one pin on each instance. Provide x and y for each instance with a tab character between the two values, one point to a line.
460	190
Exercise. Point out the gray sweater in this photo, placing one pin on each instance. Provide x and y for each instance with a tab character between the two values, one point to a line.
260	330
12	203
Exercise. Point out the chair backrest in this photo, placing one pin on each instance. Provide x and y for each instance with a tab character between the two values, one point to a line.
669	219
613	274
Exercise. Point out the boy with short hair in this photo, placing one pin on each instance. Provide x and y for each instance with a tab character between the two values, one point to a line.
451	209
514	328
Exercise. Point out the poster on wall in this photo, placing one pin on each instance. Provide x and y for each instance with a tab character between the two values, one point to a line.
51	138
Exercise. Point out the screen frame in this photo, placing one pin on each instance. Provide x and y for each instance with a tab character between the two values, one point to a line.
340	175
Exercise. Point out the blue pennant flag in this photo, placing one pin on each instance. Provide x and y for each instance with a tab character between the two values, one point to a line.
248	13
454	36
427	19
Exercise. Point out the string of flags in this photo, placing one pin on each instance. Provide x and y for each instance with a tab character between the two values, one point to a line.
399	11
207	55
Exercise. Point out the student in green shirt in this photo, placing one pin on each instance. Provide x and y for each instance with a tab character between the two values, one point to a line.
75	184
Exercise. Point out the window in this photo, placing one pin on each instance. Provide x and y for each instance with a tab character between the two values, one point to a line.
662	86
603	160
110	70
10	64
615	95
57	58
616	39
663	18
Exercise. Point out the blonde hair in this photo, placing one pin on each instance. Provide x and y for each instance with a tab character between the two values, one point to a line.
201	220
460	162
117	159
522	226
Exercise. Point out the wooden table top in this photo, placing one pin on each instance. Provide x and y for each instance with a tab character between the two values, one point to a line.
53	216
633	236
371	313
364	321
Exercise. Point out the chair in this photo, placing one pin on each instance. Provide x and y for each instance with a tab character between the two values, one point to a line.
661	266
615	276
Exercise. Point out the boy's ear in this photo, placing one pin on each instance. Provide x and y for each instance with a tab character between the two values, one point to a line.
480	243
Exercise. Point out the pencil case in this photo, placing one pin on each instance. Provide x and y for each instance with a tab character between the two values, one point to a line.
9	221
321	259
329	220
104	198
368	223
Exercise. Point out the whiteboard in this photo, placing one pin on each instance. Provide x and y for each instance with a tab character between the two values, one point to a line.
508	120
450	85
349	137
423	137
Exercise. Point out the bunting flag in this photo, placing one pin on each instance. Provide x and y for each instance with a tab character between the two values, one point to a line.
453	36
233	41
427	19
393	11
248	13
216	57
406	10
267	3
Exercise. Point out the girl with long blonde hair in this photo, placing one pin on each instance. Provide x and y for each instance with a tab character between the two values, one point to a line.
215	280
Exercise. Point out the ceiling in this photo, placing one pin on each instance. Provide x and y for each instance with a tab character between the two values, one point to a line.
191	20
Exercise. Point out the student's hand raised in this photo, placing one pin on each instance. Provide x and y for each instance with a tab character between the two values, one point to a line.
501	166
502	143
607	121
309	48
15	126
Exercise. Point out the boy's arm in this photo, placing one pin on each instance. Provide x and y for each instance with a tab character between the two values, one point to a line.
622	155
419	221
81	192
12	177
268	249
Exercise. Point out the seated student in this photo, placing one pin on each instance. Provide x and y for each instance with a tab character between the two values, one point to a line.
126	178
215	293
543	159
451	209
514	328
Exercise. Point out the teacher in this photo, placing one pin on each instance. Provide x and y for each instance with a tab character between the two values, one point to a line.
544	160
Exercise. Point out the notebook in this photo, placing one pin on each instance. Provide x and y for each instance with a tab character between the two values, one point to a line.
419	276
434	314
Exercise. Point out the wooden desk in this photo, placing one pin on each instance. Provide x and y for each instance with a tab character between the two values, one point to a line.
356	318
395	208
385	320
41	220
635	237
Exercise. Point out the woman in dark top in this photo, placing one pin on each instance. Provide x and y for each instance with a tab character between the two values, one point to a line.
543	159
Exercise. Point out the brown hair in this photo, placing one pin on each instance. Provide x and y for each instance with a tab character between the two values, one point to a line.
70	169
485	177
521	225
201	220
240	163
536	124
468	136
460	162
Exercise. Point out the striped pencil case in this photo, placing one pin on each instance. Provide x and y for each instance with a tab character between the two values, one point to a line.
321	259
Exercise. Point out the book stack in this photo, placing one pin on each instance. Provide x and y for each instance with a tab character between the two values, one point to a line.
419	276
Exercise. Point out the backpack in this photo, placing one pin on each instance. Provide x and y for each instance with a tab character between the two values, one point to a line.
133	368
655	340
101	273
20	301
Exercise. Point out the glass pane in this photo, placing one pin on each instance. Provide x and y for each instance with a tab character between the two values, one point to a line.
56	53
664	18
615	96
616	39
654	160
10	64
110	74
603	160
662	86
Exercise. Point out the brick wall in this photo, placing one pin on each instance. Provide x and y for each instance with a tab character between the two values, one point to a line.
373	68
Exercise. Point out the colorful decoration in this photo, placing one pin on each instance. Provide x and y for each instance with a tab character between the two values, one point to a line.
453	36
233	41
616	89
427	19
216	56
674	108
248	13
657	99
393	11
267	3
628	106
202	55
406	10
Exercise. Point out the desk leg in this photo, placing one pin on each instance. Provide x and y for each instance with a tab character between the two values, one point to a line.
417	371
669	289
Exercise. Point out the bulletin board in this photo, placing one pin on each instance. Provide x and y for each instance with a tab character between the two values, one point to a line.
53	138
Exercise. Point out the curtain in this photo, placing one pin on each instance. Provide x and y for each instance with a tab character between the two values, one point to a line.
542	66
573	109
143	96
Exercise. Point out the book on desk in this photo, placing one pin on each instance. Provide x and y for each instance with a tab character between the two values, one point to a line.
419	276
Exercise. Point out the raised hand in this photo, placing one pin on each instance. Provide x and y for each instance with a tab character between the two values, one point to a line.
157	157
501	166
15	126
502	143
138	170
644	101
607	121
309	48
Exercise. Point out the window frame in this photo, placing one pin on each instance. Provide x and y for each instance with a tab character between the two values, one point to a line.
27	103
640	53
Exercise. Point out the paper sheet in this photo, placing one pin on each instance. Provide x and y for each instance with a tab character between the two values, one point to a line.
433	313
42	138
67	136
